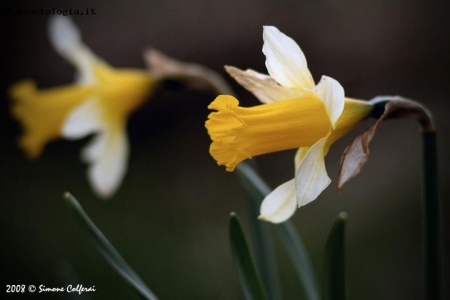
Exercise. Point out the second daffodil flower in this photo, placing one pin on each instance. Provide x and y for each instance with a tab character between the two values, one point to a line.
100	102
295	113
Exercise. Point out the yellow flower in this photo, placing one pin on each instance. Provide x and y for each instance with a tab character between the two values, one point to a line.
99	102
296	114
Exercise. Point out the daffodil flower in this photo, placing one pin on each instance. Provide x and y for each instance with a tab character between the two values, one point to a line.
99	103
295	113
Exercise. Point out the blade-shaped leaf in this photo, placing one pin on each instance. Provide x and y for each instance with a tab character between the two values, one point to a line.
107	250
244	263
263	247
286	232
334	262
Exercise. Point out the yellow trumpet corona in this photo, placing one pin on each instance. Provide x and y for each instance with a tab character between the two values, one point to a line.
239	133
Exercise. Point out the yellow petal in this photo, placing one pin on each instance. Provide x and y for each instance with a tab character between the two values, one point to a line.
280	204
285	60
239	133
42	113
264	87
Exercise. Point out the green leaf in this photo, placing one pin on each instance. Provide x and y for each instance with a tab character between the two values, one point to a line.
264	251
244	263
286	232
334	262
107	250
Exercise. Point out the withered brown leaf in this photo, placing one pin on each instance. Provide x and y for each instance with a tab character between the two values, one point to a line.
357	152
196	76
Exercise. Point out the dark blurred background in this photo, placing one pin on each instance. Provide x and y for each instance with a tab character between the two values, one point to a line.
169	219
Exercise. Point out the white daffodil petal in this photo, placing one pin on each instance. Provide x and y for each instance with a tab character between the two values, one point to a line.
94	150
264	87
63	33
66	39
108	169
331	92
285	60
299	155
83	120
280	204
311	177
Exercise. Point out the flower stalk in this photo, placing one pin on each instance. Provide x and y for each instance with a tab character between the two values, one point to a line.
399	107
431	218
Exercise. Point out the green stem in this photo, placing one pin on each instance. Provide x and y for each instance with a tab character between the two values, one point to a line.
431	219
399	107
